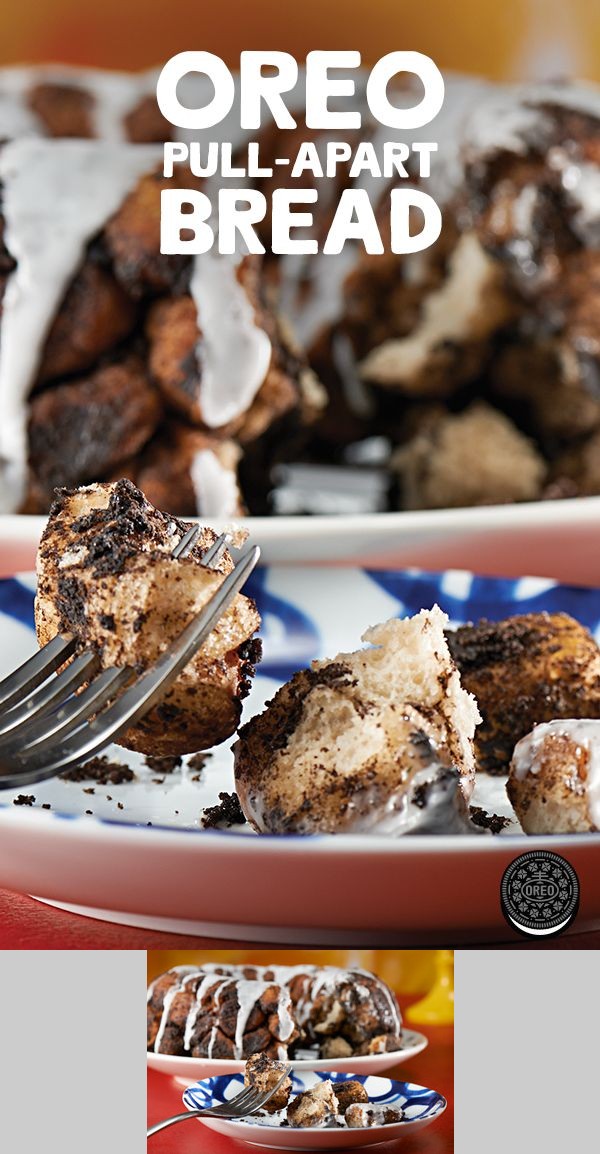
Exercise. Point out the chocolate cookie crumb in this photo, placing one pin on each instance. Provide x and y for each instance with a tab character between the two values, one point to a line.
163	764
101	770
46	805
198	761
24	799
492	821
228	812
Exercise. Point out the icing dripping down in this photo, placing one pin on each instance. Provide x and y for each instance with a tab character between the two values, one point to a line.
57	195
233	353
215	486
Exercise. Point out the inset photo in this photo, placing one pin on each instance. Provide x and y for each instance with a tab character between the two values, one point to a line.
305	1050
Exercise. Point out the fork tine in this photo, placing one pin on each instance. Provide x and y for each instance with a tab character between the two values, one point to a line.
71	748
243	1100
215	552
39	702
74	713
36	669
185	546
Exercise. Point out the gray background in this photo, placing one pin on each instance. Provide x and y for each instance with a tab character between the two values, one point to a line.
527	1074
72	1060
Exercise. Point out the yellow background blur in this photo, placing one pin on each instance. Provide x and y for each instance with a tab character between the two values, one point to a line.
406	971
498	38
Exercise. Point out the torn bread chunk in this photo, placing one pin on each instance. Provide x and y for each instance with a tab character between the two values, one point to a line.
107	575
456	322
340	745
315	1107
554	779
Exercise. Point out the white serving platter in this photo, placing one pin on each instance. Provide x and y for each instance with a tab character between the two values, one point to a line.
549	539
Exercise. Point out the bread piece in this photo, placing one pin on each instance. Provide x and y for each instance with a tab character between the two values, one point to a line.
341	743
525	670
451	337
264	1073
315	1107
554	779
84	428
95	315
349	1092
133	238
175	335
106	574
188	472
477	457
64	109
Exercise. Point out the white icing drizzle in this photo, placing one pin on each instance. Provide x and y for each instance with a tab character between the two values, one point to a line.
528	756
512	117
192	1017
215	486
248	993
57	195
581	183
312	290
234	353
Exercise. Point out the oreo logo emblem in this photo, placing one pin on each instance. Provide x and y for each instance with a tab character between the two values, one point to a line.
539	894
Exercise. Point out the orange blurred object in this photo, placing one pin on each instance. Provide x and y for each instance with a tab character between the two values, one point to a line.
516	38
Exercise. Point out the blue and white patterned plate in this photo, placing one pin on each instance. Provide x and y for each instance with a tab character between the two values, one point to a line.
420	1105
137	852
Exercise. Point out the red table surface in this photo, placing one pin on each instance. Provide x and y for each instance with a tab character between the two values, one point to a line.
26	924
433	1068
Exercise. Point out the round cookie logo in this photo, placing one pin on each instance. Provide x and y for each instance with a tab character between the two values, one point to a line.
539	894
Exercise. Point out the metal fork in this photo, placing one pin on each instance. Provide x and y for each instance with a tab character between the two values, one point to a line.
47	729
248	1101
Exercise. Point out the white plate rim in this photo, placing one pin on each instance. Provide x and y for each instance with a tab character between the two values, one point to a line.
25	526
268	845
212	1067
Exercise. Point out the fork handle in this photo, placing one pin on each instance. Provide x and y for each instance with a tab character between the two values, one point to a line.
171	1121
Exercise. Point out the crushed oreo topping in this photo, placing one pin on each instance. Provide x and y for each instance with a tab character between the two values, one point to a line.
228	812
100	769
24	799
198	760
163	764
492	821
